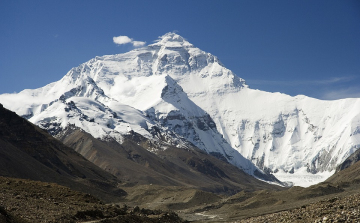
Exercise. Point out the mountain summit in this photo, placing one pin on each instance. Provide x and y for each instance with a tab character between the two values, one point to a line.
173	92
172	40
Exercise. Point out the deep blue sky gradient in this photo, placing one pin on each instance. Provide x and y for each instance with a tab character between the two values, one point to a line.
294	47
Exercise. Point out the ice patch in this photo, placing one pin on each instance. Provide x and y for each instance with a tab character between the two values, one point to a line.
302	178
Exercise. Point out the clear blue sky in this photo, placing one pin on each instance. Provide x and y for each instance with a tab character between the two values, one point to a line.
309	47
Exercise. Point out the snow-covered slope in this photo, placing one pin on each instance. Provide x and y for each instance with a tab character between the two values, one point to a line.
187	95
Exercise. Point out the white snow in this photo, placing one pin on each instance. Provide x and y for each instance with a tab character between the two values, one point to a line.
303	178
174	85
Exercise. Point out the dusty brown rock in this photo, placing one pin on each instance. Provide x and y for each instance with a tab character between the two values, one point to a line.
337	209
25	201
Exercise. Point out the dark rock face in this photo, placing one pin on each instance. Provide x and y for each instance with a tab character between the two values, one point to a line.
219	156
355	157
140	161
29	152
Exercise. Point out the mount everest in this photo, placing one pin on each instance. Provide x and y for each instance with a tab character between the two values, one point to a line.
172	91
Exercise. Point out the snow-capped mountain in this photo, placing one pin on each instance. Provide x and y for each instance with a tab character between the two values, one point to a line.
181	94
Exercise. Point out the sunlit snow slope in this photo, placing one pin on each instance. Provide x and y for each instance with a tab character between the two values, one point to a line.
188	94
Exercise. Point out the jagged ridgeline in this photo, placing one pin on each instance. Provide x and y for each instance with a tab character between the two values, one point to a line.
176	95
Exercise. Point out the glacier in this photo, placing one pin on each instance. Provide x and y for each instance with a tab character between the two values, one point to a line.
187	95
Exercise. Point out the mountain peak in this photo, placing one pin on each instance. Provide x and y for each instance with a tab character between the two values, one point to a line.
172	39
173	77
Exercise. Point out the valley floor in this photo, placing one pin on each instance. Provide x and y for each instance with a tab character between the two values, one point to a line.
327	206
24	201
317	203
